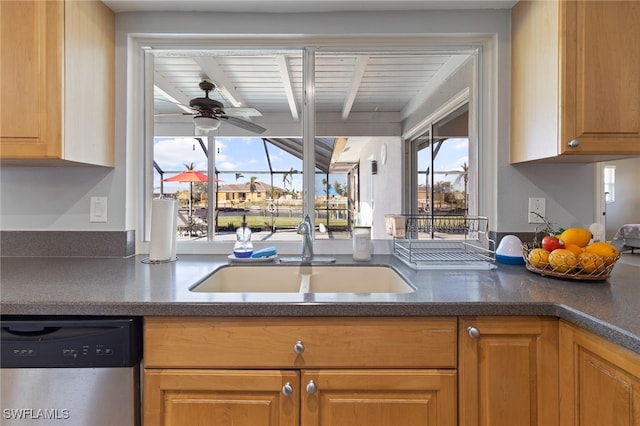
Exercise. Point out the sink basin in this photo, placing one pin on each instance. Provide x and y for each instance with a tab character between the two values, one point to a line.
303	279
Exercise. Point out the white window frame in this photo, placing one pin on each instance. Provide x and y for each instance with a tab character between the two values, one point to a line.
140	119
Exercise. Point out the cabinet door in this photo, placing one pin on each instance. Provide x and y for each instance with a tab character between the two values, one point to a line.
600	76
600	383
508	371
31	68
378	397
220	397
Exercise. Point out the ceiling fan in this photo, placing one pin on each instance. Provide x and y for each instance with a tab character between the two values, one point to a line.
208	113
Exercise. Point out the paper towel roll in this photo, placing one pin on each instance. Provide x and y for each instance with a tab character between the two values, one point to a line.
164	221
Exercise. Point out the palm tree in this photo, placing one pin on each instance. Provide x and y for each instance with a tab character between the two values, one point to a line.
465	176
340	190
287	178
252	184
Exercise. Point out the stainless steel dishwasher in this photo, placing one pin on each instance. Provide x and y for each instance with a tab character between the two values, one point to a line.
80	371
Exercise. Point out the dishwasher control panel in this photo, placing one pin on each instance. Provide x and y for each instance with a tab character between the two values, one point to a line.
74	342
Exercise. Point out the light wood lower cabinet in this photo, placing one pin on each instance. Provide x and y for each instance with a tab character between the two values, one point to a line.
378	397
508	371
181	397
600	381
300	371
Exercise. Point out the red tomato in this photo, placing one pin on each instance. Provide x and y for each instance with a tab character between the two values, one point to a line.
550	243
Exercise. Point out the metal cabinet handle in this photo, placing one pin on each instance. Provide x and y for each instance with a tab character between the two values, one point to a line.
287	389
311	387
574	143
298	347
474	333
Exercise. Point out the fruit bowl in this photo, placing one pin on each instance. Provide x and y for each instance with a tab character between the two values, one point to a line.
569	267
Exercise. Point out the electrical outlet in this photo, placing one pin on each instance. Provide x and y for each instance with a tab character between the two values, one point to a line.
98	209
536	205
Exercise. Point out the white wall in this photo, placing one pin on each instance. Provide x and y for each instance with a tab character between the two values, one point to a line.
58	198
626	208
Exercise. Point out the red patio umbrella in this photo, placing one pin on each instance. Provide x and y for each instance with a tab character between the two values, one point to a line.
190	176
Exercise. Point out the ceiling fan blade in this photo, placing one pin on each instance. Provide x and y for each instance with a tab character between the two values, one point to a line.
242	112
177	104
243	124
162	114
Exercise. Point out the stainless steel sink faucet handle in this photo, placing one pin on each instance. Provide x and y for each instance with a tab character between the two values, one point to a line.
305	229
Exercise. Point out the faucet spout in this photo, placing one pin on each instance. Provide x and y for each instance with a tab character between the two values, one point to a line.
305	229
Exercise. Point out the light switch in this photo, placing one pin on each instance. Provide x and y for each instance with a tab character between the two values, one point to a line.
98	209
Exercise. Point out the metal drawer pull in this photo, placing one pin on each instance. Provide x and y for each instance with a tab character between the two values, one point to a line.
287	389
574	143
311	387
298	347
474	333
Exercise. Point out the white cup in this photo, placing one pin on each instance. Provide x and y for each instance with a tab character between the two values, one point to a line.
362	243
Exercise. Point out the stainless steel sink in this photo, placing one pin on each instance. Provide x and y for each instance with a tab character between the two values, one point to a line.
303	279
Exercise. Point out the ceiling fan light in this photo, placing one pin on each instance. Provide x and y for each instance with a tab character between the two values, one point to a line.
206	123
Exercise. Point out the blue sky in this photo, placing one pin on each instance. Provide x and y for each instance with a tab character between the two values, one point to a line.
453	154
241	154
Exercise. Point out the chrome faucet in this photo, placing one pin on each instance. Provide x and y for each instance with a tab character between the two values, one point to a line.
305	229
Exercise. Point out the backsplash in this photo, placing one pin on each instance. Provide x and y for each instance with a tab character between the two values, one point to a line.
67	243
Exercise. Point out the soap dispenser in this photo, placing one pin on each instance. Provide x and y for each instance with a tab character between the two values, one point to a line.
243	246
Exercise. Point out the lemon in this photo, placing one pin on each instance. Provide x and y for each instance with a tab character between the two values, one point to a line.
578	236
606	250
562	260
591	262
538	258
573	248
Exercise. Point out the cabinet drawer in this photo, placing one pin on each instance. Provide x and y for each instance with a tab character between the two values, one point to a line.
196	342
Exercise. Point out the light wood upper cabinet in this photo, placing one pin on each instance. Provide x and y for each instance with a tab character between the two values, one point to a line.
508	371
57	65
600	381
575	80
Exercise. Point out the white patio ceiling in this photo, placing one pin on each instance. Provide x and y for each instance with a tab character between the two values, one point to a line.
272	82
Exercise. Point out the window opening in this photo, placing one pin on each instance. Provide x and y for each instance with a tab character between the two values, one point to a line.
610	184
443	169
362	100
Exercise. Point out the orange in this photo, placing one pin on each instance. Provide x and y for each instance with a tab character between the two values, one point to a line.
574	249
538	258
591	262
577	236
606	250
562	260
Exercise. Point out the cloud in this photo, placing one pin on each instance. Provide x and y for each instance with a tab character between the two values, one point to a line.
172	154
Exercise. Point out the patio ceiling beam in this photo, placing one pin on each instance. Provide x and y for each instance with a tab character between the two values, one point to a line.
358	73
449	67
222	81
285	75
171	93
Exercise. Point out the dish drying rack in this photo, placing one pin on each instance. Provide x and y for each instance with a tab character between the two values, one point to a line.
442	241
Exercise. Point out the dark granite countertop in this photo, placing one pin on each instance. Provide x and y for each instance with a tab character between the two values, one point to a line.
126	286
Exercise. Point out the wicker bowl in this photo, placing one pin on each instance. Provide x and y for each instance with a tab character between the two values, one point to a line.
568	271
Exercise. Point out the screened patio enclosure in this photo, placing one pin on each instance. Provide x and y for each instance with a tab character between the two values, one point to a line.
267	196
